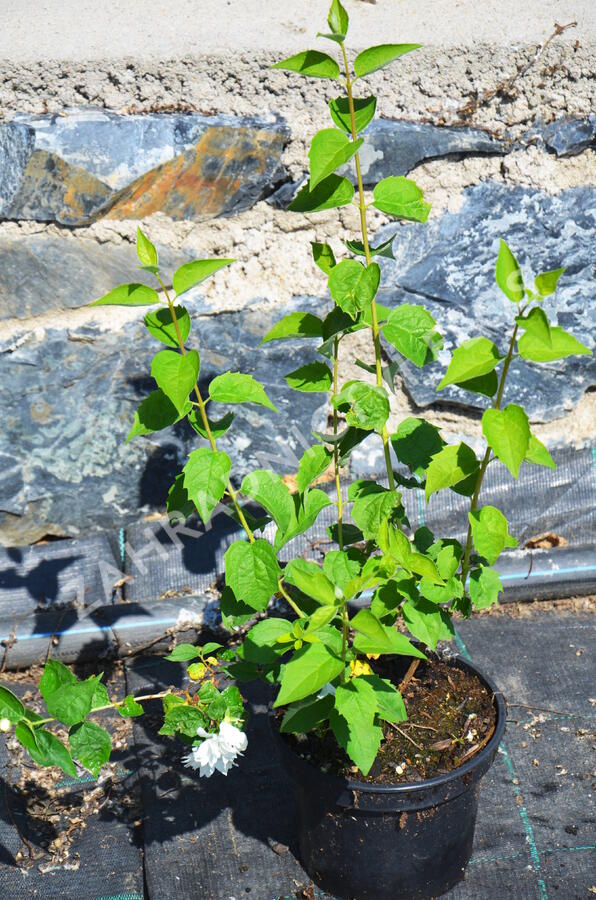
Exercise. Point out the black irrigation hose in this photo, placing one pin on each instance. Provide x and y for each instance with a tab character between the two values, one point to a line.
122	630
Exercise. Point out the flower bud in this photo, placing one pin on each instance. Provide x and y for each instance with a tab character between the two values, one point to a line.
5	725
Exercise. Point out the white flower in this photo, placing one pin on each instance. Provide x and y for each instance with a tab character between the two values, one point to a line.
5	725
217	751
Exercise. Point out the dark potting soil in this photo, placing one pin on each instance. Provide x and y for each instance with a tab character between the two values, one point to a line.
451	717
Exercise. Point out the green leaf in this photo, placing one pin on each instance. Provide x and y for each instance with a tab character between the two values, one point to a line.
331	192
324	257
338	19
260	644
155	413
415	443
268	489
427	622
11	707
353	286
390	704
484	384
176	375
364	112
309	669
295	325
356	705
217	427
100	696
543	342
252	571
70	703
129	707
146	252
350	534
538	454
329	150
235	387
205	479
377	57
507	432
178	503
473	358
183	719
160	324
91	745
311	580
369	405
490	532
305	515
411	331
321	617
401	197
383	249
314	377
374	637
546	283
45	748
450	467
373	504
508	274
340	566
310	62
193	273
314	462
484	587
184	653
128	295
301	718
55	675
233	612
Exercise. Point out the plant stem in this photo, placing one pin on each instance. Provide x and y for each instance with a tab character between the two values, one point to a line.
364	230
345	627
233	495
289	600
465	566
340	505
114	705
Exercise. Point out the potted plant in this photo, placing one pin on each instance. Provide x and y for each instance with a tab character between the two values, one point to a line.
385	739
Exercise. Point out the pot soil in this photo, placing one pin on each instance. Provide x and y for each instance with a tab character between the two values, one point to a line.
411	836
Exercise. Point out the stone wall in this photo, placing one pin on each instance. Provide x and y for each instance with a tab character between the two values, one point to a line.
206	152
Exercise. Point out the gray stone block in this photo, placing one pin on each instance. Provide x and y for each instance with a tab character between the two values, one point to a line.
568	137
16	146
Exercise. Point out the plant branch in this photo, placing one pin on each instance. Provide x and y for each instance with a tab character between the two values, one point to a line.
340	505
289	600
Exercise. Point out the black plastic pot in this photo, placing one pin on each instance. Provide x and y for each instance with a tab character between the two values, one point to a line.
363	841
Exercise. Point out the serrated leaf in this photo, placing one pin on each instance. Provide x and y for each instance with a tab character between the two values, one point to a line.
205	479
323	256
160	324
374	637
45	748
415	443
252	572
233	612
314	462
269	490
309	578
427	622
508	274
543	342
300	718
474	358
453	466
178	504
383	249
11	707
146	252
128	295
390	704
341	566
312	63
411	330
538	454
236	387
309	669
129	707
71	703
364	112
490	532
260	644
91	745
305	515
377	57
507	432
155	413
484	587
369	405
353	286
217	427
55	675
402	198
372	505
546	283
176	375
193	273
356	706
487	385
329	150
332	192
183	719
338	19
295	325
314	377
184	653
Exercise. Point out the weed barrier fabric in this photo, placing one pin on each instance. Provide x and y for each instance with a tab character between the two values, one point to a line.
229	837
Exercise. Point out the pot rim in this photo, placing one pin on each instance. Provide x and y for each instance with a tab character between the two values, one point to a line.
404	790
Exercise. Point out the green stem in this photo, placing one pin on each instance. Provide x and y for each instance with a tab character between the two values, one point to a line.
340	505
289	600
364	230
345	627
97	709
233	495
465	566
